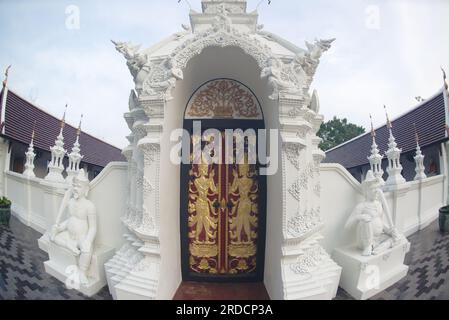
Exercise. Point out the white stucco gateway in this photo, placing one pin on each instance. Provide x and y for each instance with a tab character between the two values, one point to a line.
223	42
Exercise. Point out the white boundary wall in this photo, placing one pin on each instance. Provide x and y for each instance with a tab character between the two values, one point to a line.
27	200
35	201
414	206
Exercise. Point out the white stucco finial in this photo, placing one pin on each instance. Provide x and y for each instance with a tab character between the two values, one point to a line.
419	159
394	157
75	156
375	159
56	165
30	155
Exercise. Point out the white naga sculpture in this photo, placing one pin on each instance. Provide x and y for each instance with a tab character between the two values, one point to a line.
373	235
77	233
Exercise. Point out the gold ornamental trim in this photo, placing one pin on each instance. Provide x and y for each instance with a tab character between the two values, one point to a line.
204	250
223	99
242	250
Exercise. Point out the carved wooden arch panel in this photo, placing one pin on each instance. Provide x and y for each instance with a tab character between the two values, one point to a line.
223	99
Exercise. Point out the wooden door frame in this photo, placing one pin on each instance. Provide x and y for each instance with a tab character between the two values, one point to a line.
187	275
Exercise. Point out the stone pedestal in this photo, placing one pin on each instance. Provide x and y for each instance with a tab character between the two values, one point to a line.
365	276
44	242
63	265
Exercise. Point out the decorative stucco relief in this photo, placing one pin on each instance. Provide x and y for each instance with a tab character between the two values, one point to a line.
303	222
156	79
292	151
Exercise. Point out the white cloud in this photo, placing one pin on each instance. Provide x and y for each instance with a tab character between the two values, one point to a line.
93	81
365	69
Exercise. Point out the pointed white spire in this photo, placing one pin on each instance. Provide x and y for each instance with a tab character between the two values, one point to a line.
56	165
375	159
30	155
394	155
419	159
75	157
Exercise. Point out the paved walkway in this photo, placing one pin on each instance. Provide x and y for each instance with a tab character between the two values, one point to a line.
428	274
22	274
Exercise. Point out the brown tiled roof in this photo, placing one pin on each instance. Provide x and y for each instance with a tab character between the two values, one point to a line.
429	117
20	116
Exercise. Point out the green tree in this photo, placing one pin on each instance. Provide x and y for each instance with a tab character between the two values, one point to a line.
337	131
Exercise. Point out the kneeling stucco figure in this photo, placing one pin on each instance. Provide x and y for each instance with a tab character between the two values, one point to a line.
373	235
77	233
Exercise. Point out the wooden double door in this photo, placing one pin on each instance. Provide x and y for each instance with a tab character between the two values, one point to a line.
223	219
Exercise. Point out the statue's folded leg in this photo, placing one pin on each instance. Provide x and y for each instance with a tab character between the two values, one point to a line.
62	239
366	237
383	246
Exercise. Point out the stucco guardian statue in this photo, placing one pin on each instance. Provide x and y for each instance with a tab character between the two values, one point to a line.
77	254
375	260
77	233
375	229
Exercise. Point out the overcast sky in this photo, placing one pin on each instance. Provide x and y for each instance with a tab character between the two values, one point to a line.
387	52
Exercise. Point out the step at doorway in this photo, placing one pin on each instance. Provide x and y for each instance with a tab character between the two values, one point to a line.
221	291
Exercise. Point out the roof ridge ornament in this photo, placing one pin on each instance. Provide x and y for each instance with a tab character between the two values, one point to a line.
63	118
446	86
5	81
78	131
389	124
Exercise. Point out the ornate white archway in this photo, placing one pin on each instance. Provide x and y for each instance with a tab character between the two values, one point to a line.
301	259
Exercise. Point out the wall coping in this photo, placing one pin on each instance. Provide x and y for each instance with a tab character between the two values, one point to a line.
121	165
